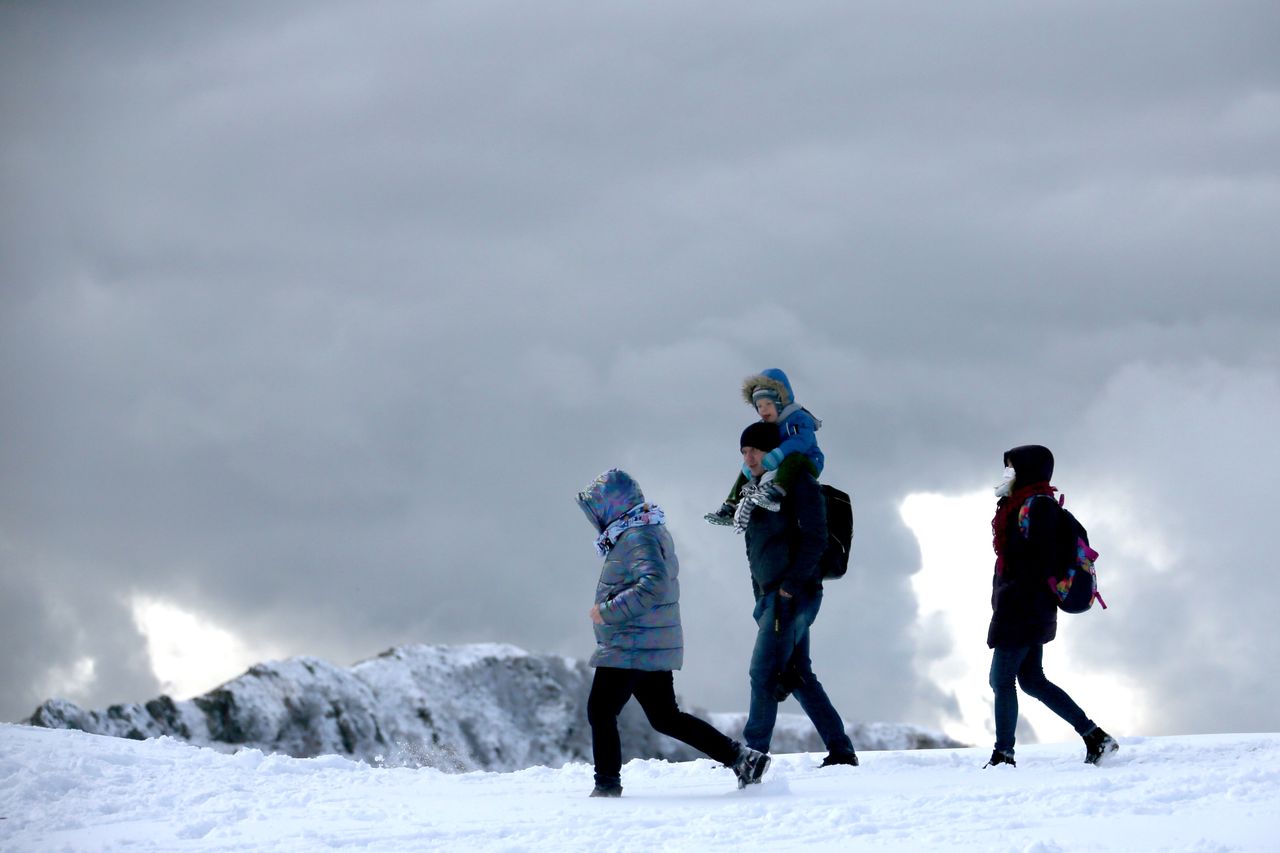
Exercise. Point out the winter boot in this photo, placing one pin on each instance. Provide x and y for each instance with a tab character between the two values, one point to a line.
1098	745
722	517
750	766
607	788
998	757
836	758
768	497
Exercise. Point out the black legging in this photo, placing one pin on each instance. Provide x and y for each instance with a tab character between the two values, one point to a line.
655	691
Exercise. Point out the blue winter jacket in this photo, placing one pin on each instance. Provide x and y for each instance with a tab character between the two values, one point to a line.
638	591
796	426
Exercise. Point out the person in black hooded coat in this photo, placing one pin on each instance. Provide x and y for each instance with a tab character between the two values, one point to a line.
1024	609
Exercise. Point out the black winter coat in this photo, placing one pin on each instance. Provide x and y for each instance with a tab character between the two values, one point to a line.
1024	609
783	547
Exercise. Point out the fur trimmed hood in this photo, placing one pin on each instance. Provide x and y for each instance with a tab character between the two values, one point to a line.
774	380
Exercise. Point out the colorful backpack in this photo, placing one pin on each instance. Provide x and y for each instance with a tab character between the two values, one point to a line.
1072	579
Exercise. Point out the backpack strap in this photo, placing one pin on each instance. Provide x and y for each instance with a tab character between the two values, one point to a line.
1024	514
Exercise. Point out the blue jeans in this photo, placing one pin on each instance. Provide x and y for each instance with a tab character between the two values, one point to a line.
781	656
1025	664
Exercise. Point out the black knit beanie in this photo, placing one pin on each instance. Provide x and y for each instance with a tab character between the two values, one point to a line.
761	436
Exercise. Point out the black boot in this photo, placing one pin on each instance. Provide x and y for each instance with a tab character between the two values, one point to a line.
610	786
998	757
1098	745
835	758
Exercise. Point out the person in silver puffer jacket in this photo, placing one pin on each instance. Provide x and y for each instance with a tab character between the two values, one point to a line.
636	617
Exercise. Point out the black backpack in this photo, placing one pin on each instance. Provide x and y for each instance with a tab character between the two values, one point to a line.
834	561
1073	580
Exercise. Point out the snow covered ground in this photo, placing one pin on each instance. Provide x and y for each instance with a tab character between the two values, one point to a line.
67	790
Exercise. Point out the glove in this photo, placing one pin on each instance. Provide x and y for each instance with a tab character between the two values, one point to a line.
773	459
788	681
785	606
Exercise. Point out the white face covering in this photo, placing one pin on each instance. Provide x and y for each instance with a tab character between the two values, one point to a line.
1005	486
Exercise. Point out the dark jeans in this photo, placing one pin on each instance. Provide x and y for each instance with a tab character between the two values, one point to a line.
655	691
1025	664
782	653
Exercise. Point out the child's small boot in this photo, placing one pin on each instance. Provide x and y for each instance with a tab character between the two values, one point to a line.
722	517
769	496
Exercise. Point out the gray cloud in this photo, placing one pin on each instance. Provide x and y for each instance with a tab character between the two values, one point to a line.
1191	576
313	319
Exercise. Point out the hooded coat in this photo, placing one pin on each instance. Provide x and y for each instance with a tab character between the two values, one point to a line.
797	427
638	592
1024	609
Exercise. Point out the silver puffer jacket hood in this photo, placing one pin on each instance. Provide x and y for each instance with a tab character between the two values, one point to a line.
608	497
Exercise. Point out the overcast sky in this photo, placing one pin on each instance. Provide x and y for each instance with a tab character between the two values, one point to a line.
314	318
